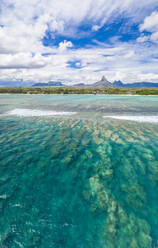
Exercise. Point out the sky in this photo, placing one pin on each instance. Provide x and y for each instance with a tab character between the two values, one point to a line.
76	41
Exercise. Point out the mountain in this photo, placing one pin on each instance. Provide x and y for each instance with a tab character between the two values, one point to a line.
78	85
141	85
51	83
118	84
103	83
19	83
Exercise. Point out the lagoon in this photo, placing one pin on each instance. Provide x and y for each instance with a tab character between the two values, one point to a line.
78	171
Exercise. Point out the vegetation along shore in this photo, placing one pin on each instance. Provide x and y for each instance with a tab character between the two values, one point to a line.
59	90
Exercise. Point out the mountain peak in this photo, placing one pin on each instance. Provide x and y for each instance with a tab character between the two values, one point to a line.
104	79
117	83
103	83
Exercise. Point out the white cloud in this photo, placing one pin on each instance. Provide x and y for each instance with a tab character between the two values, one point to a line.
143	38
22	60
154	36
95	28
123	61
25	23
78	64
150	24
64	45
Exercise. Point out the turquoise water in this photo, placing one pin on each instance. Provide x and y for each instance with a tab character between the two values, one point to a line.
71	177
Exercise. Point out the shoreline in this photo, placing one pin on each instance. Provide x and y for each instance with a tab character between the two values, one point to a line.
58	94
79	91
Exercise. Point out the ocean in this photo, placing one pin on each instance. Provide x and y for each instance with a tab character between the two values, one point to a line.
78	171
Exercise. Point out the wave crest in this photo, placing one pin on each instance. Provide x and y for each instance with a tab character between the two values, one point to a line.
151	119
34	112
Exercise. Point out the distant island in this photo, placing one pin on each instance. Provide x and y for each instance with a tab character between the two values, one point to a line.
103	83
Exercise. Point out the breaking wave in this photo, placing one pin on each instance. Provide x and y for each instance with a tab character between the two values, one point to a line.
151	119
34	112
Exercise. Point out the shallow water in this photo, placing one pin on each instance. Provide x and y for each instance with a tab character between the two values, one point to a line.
70	176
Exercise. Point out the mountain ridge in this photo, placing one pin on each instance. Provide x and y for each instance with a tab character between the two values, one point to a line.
103	83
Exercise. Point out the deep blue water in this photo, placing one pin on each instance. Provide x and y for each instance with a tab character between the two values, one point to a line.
71	177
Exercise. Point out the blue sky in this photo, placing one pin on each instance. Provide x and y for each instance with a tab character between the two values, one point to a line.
78	42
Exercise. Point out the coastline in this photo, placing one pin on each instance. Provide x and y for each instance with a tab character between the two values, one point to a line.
77	94
79	91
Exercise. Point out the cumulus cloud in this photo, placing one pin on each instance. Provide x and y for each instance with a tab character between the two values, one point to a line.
95	28
150	24
154	36
22	60
143	38
24	24
64	45
124	61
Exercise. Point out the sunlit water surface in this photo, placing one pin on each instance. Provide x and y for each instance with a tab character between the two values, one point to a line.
78	171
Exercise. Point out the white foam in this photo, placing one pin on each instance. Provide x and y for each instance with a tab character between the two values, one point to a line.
34	112
151	119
